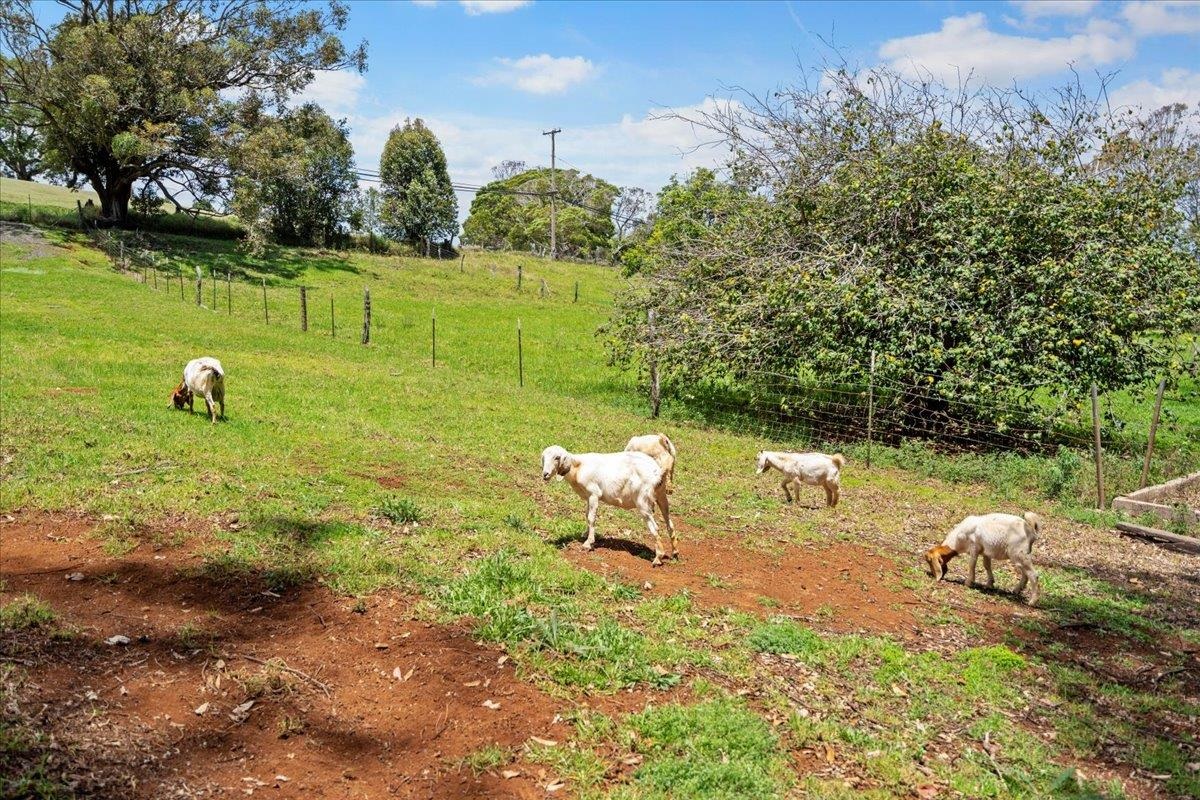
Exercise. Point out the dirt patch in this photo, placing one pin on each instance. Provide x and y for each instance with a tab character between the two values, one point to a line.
354	700
28	237
839	587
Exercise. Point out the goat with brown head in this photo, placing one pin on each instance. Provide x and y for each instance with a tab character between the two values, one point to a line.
937	559
181	396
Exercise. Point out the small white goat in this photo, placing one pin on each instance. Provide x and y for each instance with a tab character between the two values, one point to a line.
205	377
815	469
625	480
993	536
658	447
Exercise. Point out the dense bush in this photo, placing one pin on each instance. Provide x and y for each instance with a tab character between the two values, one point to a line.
999	253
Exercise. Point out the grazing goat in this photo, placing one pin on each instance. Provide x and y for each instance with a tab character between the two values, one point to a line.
815	469
204	377
658	447
624	480
994	536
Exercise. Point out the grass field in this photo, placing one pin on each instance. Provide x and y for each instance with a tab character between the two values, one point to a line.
377	474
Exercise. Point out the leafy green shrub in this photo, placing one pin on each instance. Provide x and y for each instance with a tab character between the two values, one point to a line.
1061	480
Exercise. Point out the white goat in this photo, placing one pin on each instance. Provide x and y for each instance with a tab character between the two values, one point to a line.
625	480
658	447
205	377
993	536
815	469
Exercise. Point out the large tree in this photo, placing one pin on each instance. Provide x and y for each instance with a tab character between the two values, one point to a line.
998	252
419	205
161	90
294	178
514	213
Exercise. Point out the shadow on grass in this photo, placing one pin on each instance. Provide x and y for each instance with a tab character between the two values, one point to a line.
632	547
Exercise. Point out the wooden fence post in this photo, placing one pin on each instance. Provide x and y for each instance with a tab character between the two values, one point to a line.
121	249
1162	386
212	273
366	334
229	291
29	197
462	263
576	292
266	314
542	290
870	409
181	297
1100	495
332	325
520	356
79	208
303	308
433	336
199	286
655	386
155	268
520	275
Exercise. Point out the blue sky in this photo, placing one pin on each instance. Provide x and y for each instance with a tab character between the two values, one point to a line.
489	77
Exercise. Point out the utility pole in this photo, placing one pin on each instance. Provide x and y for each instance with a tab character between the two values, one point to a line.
553	197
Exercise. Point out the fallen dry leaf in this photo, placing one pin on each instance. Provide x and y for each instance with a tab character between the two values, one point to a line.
509	774
554	787
543	742
493	705
829	754
200	709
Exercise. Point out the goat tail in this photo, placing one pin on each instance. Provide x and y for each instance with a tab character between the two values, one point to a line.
838	460
1033	526
667	443
214	370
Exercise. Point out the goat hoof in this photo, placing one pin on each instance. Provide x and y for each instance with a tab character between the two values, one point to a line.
587	546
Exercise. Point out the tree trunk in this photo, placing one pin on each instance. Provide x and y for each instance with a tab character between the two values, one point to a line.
114	198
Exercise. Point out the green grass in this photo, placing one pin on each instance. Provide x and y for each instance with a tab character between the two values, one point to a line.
326	439
26	612
55	206
718	748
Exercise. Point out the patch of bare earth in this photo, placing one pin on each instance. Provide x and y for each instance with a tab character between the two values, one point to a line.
341	703
839	587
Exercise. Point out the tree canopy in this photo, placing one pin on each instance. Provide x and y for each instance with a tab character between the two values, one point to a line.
294	178
514	213
419	205
129	90
998	252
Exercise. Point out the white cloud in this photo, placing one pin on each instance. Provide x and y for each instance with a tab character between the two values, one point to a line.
1173	86
476	7
1034	9
1162	18
541	74
337	92
966	45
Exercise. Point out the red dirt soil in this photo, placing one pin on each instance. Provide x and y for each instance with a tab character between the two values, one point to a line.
367	734
839	587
